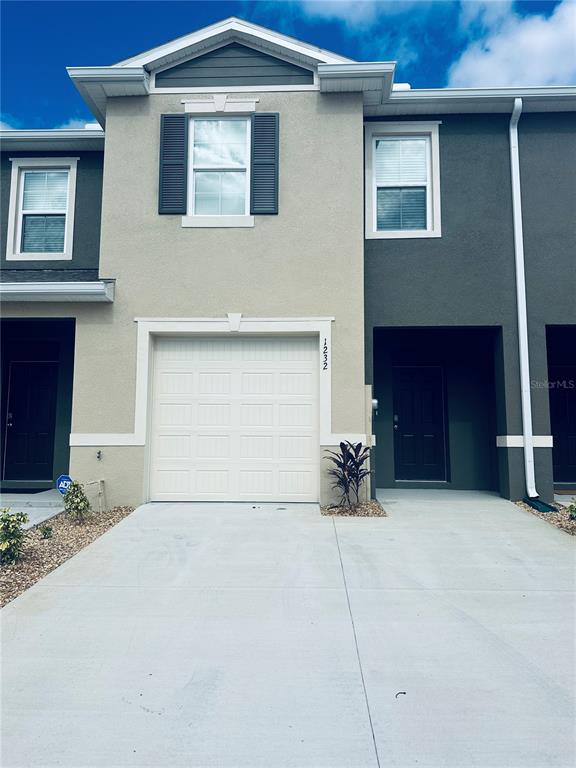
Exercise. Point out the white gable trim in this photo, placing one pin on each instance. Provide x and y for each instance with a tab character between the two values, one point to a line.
226	31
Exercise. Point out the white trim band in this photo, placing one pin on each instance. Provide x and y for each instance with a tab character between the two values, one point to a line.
94	290
517	441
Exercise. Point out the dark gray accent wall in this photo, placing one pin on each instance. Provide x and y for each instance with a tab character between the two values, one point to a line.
233	64
467	276
466	357
547	168
86	242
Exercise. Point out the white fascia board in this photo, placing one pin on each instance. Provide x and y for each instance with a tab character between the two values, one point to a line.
52	140
156	57
89	291
470	100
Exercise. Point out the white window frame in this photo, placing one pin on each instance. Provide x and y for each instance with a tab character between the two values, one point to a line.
217	220
14	234
400	130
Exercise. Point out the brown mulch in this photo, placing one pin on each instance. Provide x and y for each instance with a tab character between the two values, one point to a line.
40	556
370	508
560	519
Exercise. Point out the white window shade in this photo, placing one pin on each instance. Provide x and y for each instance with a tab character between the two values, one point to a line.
45	191
401	161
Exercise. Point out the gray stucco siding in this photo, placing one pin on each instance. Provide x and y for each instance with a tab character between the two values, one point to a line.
233	64
87	217
467	276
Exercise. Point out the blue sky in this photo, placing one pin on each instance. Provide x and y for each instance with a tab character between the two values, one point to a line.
436	43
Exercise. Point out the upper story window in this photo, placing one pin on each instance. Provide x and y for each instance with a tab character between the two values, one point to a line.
220	167
41	215
402	180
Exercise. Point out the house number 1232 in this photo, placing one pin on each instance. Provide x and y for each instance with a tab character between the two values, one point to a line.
325	356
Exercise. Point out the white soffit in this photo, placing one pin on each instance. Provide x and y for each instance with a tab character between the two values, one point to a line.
373	79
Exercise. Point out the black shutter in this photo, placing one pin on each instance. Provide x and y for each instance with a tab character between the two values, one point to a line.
264	170
173	164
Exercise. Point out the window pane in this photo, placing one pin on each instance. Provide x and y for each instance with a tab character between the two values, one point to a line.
45	190
43	234
403	209
398	161
220	143
219	193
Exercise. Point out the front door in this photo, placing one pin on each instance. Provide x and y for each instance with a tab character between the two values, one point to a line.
563	422
419	423
30	420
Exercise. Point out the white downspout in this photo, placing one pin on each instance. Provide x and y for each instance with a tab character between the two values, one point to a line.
521	304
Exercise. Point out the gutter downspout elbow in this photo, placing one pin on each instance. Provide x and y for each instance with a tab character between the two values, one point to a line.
526	395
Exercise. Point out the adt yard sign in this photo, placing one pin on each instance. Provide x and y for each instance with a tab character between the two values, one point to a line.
63	483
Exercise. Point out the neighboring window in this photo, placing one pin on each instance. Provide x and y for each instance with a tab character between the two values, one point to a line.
402	180
41	209
220	166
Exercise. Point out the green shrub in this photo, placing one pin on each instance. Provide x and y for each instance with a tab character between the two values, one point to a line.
45	531
349	470
572	511
76	502
11	535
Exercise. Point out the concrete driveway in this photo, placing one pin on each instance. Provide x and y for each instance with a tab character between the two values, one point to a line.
228	636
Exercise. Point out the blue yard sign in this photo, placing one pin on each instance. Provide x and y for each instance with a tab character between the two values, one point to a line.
63	483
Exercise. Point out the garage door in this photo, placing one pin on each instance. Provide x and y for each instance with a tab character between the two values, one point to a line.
235	419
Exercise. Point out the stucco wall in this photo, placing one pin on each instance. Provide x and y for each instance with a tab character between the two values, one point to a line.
467	277
305	262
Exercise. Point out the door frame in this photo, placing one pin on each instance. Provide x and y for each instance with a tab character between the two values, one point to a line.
445	424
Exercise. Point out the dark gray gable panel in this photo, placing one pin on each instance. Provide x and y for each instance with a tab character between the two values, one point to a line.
173	163
264	167
233	64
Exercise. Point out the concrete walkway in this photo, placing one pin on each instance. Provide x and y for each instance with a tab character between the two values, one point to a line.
227	636
39	506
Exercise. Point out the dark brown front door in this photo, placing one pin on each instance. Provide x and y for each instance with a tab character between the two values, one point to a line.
419	423
563	422
30	420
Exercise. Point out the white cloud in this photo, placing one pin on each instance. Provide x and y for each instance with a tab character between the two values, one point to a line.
357	13
520	50
73	123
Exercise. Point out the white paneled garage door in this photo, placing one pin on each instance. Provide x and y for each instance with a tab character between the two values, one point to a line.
235	419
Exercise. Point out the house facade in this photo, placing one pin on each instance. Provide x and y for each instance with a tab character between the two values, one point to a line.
263	249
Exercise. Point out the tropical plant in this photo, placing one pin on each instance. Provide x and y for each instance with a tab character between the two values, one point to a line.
349	471
76	502
11	535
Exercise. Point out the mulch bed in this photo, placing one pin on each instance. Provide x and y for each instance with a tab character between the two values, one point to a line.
40	556
560	519
370	508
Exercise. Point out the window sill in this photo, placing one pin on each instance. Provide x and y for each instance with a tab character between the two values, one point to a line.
403	234
218	222
38	257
